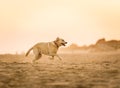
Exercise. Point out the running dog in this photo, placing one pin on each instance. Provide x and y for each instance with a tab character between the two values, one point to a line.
47	48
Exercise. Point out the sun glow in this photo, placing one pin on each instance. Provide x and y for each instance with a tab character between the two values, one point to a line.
82	22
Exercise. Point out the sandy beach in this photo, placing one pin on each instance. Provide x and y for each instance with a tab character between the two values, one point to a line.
83	70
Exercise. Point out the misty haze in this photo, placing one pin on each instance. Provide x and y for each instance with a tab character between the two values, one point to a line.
93	66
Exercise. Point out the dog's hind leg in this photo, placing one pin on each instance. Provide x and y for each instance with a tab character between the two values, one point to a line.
37	57
37	54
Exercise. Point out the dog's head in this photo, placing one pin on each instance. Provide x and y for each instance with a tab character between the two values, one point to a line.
60	42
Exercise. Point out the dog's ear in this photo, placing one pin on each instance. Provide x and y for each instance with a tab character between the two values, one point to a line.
57	38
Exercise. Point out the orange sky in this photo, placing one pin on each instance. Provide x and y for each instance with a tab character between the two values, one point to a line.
26	22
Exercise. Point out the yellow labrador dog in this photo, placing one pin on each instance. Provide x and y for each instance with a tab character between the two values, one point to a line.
47	48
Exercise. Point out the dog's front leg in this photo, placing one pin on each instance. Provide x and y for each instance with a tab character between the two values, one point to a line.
52	58
56	56
59	57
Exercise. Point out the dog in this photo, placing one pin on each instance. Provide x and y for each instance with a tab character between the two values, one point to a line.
47	48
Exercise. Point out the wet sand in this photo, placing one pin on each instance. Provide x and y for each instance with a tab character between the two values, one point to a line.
85	70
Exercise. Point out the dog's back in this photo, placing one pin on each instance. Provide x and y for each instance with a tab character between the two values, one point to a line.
46	47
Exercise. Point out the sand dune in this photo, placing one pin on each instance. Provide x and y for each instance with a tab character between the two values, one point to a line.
83	70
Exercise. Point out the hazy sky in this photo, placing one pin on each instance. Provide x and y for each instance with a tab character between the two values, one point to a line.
26	22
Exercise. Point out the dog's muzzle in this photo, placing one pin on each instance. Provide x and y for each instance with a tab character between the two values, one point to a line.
64	43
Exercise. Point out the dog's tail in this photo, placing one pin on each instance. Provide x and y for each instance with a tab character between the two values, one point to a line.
28	51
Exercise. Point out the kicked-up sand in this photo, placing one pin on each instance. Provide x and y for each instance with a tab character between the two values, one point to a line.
76	70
